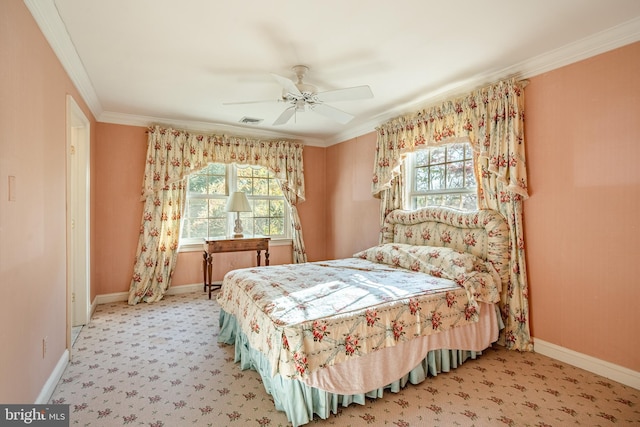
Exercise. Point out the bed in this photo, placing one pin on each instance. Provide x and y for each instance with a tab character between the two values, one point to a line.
327	334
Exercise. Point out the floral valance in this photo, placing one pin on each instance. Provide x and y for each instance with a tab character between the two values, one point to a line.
493	113
173	154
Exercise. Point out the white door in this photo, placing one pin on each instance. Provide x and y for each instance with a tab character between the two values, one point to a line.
78	216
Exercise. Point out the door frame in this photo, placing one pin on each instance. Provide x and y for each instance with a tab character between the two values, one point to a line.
78	218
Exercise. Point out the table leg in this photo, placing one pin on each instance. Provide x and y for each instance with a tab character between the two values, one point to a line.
266	257
258	256
210	274
205	256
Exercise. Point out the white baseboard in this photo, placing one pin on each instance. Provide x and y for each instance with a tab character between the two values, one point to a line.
124	296
52	382
617	373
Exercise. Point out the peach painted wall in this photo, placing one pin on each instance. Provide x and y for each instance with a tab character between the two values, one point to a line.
120	159
582	220
352	212
33	260
120	153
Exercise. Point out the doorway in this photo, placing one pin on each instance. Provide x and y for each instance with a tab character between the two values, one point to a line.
78	220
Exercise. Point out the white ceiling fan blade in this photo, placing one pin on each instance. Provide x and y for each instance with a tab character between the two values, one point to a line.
332	112
285	116
288	85
346	94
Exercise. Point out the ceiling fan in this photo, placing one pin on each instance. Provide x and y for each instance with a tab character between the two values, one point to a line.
300	96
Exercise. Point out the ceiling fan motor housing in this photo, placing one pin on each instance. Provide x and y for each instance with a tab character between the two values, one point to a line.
306	88
301	72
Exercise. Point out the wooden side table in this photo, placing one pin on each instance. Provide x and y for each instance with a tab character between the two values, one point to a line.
242	244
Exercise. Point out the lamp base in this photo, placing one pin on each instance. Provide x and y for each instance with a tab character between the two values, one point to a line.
238	235
237	230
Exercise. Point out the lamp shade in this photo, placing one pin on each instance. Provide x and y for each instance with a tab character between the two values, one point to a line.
238	202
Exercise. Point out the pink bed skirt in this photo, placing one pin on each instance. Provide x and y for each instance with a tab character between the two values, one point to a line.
375	370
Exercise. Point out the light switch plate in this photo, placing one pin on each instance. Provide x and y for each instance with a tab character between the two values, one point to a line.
12	188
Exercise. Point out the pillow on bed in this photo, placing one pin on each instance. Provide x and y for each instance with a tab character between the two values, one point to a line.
435	260
483	283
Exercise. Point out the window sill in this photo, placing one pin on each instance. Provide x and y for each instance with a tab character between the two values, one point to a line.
198	247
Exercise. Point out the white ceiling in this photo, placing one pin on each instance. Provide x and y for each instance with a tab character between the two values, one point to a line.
176	62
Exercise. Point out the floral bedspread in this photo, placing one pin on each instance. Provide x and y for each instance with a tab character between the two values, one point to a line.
307	316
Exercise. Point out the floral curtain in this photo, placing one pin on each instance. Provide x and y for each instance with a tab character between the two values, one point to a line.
492	120
171	156
392	198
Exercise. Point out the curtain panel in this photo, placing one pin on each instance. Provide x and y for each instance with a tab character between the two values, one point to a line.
171	156
492	120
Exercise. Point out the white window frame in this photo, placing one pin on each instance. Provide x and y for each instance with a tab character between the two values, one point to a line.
231	182
410	192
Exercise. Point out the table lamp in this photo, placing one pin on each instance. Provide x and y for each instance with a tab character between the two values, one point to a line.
237	203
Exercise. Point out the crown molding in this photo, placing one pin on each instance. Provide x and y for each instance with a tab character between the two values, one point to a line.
595	44
204	127
48	19
46	16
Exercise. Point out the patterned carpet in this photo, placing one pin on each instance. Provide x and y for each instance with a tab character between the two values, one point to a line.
159	365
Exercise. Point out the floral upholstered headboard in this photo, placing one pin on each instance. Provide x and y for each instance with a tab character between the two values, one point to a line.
483	233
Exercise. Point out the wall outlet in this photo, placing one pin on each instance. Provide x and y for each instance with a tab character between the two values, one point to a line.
44	347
